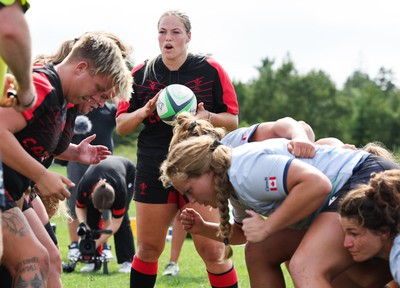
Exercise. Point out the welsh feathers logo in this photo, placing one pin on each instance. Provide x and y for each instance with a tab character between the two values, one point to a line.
270	184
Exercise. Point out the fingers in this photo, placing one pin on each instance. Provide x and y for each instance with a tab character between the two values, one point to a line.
54	185
60	195
251	213
301	149
67	182
90	138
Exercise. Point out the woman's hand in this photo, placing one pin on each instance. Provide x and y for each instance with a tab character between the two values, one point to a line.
301	148
202	113
150	106
91	154
51	184
254	227
192	221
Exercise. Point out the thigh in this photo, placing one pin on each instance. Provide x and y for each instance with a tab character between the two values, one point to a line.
40	232
274	250
152	222
264	259
324	242
21	246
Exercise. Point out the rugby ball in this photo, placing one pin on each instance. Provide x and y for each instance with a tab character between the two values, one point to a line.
174	99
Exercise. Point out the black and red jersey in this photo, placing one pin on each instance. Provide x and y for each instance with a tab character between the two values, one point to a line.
119	173
202	74
49	127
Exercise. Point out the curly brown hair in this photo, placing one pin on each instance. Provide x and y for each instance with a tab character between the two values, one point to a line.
377	204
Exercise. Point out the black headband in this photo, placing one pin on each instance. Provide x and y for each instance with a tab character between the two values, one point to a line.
214	145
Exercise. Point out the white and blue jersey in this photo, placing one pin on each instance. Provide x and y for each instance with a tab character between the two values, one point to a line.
259	170
394	260
239	136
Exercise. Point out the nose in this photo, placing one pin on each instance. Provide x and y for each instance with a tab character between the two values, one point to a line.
191	199
168	36
98	99
347	242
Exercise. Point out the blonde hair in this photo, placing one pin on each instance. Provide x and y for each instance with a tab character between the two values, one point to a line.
55	207
379	149
188	125
377	204
104	58
192	158
149	70
66	47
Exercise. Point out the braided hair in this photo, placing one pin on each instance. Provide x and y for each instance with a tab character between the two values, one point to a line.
194	157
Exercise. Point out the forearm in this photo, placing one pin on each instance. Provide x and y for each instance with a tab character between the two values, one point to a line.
71	154
290	129
81	214
114	225
303	199
128	122
210	230
15	46
228	121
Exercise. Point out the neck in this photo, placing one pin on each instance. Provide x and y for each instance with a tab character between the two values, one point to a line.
176	63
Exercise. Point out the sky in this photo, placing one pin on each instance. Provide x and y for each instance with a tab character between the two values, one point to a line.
337	37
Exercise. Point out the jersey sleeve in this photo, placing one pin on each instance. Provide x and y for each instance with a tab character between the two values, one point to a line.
83	194
394	259
119	207
43	87
225	88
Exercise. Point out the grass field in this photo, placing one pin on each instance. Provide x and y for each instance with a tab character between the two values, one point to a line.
192	270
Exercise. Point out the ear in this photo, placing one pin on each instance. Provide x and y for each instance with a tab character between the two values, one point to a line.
189	34
385	233
81	67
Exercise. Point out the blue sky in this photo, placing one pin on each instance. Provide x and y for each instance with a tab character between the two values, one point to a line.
337	37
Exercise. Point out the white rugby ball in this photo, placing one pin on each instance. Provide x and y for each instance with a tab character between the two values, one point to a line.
173	100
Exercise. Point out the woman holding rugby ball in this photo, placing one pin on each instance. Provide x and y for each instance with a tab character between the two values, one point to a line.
156	206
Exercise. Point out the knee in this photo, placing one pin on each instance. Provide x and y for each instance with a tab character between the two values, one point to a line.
39	258
55	260
149	252
211	251
298	269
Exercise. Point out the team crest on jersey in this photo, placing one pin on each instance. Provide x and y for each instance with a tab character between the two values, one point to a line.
244	136
270	184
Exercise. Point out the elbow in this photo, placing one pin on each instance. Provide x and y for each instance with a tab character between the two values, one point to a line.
120	127
326	187
120	131
233	124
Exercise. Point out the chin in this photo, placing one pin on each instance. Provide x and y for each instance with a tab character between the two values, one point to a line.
359	258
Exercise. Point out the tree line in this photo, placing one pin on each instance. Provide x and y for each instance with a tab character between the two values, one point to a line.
364	110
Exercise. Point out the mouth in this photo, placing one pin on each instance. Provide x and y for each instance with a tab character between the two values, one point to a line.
354	254
168	47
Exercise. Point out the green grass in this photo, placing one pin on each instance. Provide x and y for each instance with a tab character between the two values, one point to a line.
192	270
